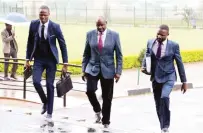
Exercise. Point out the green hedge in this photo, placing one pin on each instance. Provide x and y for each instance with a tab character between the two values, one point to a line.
128	61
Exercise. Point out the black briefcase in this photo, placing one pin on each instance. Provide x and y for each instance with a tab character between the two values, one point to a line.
64	85
27	72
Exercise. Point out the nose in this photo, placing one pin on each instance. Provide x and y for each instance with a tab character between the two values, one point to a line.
159	36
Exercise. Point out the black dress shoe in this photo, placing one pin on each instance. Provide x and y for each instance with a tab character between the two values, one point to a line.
44	109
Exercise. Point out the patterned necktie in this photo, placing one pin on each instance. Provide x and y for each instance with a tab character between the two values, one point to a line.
158	54
100	43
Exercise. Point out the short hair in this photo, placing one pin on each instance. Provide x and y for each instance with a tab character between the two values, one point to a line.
101	18
44	7
164	27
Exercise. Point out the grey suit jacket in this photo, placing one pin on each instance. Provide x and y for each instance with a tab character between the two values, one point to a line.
6	39
95	62
163	69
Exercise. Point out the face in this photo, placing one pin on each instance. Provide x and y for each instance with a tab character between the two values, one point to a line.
101	25
162	35
44	15
8	27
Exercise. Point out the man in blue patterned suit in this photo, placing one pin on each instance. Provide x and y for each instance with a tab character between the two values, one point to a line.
163	52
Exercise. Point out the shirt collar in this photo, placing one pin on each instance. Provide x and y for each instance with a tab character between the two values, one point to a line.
103	32
164	42
46	24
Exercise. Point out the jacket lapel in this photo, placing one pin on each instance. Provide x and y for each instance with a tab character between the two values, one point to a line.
152	42
36	36
95	41
168	47
108	38
49	31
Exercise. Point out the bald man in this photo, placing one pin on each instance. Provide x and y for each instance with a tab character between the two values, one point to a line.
98	64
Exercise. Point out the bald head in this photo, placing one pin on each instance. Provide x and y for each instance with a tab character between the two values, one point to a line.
101	24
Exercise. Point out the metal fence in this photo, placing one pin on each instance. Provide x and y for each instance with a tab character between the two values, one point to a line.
83	13
27	88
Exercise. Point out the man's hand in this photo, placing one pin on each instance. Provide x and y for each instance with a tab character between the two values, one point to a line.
65	68
13	35
27	64
184	87
117	77
84	77
143	70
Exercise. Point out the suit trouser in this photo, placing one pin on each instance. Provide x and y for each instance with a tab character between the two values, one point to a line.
13	54
162	100
39	66
107	95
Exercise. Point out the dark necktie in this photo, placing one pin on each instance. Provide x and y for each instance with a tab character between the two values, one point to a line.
100	43
158	54
42	33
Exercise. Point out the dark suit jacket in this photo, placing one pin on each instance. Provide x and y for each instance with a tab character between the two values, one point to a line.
54	32
93	61
163	69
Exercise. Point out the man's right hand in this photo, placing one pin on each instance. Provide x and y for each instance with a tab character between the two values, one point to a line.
84	77
13	35
143	70
27	64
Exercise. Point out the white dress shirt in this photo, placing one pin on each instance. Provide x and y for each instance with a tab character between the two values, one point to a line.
163	47
45	29
103	37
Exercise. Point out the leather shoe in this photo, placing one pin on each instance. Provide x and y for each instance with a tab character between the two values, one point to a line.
44	109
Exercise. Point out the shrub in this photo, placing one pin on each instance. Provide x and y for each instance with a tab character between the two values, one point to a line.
128	61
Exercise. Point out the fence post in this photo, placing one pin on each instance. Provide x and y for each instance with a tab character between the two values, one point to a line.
65	14
56	11
161	15
24	88
16	7
64	100
134	16
86	15
4	10
138	76
145	10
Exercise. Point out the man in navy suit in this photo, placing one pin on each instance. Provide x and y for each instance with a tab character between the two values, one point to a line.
98	64
163	75
41	46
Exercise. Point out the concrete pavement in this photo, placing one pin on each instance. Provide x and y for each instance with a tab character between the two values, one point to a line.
134	114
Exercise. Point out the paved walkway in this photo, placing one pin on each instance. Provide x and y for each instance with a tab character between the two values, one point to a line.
129	115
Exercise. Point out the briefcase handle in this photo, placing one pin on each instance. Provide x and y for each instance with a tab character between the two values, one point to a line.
64	75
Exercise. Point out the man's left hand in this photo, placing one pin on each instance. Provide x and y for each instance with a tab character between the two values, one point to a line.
65	69
117	77
184	87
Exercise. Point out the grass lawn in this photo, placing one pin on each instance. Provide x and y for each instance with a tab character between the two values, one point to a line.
133	39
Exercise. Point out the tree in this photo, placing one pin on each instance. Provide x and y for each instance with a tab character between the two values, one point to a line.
187	14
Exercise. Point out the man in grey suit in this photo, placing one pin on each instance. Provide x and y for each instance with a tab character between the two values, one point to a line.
10	49
98	64
163	75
